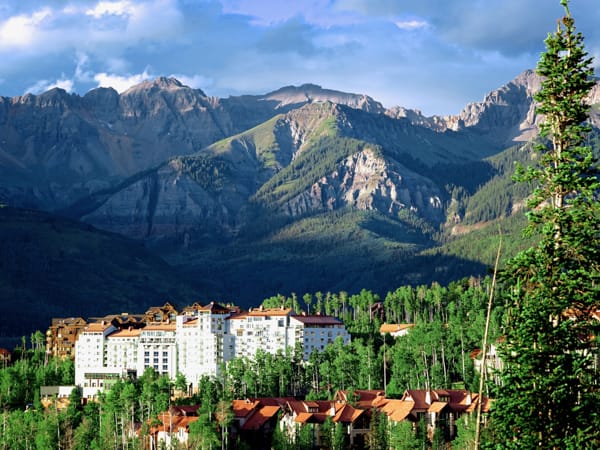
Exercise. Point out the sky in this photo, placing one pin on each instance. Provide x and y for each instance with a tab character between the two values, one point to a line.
433	55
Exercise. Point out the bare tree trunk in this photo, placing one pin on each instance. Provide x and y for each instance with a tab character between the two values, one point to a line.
484	350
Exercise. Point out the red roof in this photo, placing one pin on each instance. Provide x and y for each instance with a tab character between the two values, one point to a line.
170	422
347	414
260	417
242	408
436	407
317	320
398	410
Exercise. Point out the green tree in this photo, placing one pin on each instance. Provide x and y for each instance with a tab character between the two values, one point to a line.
203	432
549	396
403	436
377	438
465	433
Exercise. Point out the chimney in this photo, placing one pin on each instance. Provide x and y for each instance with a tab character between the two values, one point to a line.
428	397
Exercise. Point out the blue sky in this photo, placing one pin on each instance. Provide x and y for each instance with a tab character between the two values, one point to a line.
433	55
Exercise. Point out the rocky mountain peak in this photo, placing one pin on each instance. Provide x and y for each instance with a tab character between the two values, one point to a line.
53	98
159	84
312	93
506	115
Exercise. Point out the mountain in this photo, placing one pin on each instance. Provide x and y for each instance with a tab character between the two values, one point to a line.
57	148
298	190
54	267
506	115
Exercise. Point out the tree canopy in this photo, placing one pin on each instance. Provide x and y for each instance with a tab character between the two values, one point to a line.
549	395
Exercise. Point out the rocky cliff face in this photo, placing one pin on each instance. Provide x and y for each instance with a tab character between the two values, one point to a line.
58	148
506	115
164	160
365	181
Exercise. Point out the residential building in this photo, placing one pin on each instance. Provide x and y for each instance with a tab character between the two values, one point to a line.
396	329
157	348
5	357
255	419
196	342
91	370
62	334
279	330
203	341
315	332
261	328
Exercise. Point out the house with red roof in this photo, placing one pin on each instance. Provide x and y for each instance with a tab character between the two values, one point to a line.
396	329
5	357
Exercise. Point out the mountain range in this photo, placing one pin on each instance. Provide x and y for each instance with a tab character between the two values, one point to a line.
298	190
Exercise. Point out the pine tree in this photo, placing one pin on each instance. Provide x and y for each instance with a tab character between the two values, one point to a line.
549	396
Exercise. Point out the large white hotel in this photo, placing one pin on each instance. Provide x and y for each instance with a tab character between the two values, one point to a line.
196	342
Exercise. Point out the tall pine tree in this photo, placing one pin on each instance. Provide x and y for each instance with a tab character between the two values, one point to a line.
550	392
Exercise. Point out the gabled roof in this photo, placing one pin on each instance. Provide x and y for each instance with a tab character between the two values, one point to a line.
437	407
398	410
242	408
274	401
297	406
347	414
68	321
260	417
98	326
419	396
215	308
304	417
170	422
191	308
366	398
459	399
485	406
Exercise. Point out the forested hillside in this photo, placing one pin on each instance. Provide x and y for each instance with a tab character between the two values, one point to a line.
448	326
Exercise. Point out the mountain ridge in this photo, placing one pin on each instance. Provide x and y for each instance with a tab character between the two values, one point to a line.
297	190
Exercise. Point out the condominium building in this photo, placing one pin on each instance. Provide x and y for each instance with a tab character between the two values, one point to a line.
203	341
195	343
62	334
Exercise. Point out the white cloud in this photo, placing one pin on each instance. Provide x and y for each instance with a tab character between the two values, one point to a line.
120	83
120	8
23	30
46	85
411	24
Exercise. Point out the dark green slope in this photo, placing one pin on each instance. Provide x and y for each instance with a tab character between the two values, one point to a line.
343	250
52	267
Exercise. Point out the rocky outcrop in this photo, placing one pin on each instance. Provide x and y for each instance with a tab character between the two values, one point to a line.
163	160
57	148
365	181
506	115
